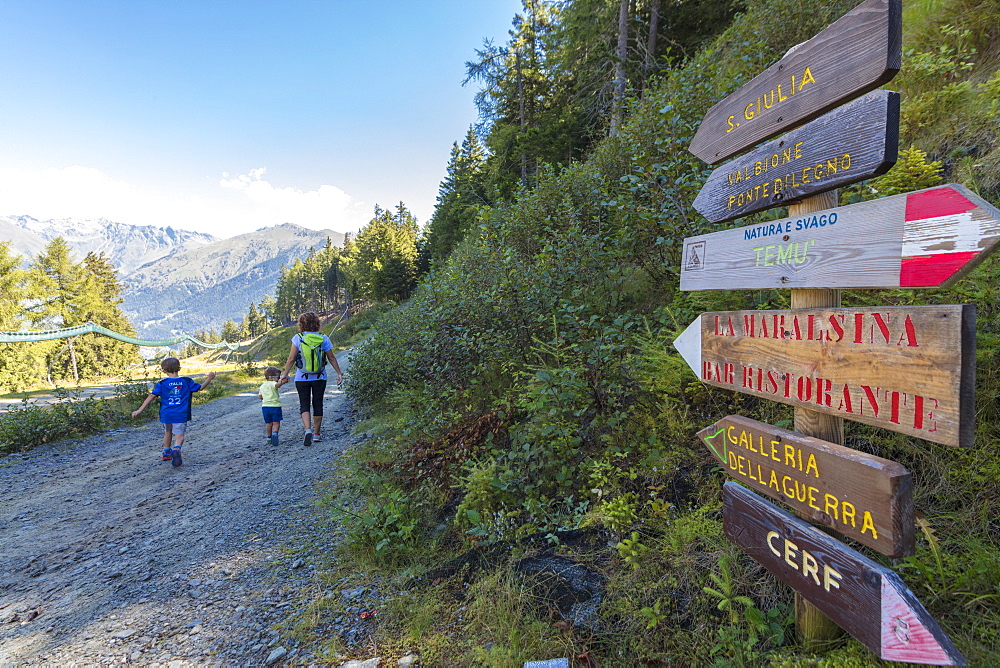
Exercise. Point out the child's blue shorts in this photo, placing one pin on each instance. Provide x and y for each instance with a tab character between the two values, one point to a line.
271	413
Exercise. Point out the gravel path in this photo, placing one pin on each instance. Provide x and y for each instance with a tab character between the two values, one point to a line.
109	556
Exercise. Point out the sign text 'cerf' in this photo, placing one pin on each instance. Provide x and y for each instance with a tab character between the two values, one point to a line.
864	598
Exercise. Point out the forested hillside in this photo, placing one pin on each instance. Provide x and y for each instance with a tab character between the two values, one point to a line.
527	397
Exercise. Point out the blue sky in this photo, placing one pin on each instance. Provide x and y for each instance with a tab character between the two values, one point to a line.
225	117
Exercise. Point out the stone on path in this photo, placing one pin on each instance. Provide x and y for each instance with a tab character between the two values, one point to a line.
367	663
276	654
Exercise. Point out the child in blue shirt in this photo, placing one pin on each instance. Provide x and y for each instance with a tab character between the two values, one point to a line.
175	393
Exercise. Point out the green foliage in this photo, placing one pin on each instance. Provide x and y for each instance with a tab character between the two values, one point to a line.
632	551
912	171
652	614
737	643
559	307
26	426
384	528
501	619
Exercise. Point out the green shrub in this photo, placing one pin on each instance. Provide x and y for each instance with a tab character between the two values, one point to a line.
29	425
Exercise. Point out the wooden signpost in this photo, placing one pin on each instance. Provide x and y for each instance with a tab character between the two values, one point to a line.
851	143
927	238
867	600
861	496
857	53
910	369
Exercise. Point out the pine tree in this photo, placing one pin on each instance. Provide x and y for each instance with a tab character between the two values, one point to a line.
254	324
267	310
56	286
385	263
230	332
100	303
461	197
19	365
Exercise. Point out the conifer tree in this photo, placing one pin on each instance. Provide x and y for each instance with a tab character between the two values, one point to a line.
461	196
56	286
100	303
230	331
385	265
19	366
267	310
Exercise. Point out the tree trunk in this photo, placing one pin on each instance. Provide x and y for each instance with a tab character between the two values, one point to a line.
72	361
618	101
654	28
520	98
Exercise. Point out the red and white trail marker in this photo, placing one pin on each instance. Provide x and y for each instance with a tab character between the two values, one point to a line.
924	239
944	231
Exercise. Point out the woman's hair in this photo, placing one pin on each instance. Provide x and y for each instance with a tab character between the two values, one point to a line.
170	365
309	322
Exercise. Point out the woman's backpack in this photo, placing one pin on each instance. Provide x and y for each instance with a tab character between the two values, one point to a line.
310	358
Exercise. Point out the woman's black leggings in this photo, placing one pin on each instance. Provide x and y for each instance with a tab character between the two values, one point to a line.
311	389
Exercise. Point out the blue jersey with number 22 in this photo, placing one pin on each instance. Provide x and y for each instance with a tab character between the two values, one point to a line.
175	398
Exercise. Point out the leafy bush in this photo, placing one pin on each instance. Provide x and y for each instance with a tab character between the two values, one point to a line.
29	425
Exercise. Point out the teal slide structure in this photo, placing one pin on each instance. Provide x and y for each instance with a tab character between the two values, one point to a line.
91	328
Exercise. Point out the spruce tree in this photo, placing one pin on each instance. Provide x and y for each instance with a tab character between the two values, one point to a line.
19	363
100	303
56	284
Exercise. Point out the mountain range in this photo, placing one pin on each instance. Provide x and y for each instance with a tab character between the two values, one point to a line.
177	281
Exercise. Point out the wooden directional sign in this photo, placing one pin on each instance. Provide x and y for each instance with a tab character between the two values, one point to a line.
927	238
857	53
909	369
862	496
867	600
851	143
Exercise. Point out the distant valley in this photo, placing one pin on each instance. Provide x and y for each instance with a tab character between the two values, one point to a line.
178	281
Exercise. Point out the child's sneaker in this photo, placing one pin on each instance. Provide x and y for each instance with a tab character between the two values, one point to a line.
308	439
317	438
167	455
274	440
176	457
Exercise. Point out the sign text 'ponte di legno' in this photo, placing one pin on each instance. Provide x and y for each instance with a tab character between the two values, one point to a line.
850	144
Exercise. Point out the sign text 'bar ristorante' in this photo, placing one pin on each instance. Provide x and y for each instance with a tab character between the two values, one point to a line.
909	369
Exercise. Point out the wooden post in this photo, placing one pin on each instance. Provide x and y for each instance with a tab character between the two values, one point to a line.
812	628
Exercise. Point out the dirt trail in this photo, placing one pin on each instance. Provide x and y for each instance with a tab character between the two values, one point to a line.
108	555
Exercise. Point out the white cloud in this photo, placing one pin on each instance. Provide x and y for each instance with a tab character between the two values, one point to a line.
327	206
237	204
